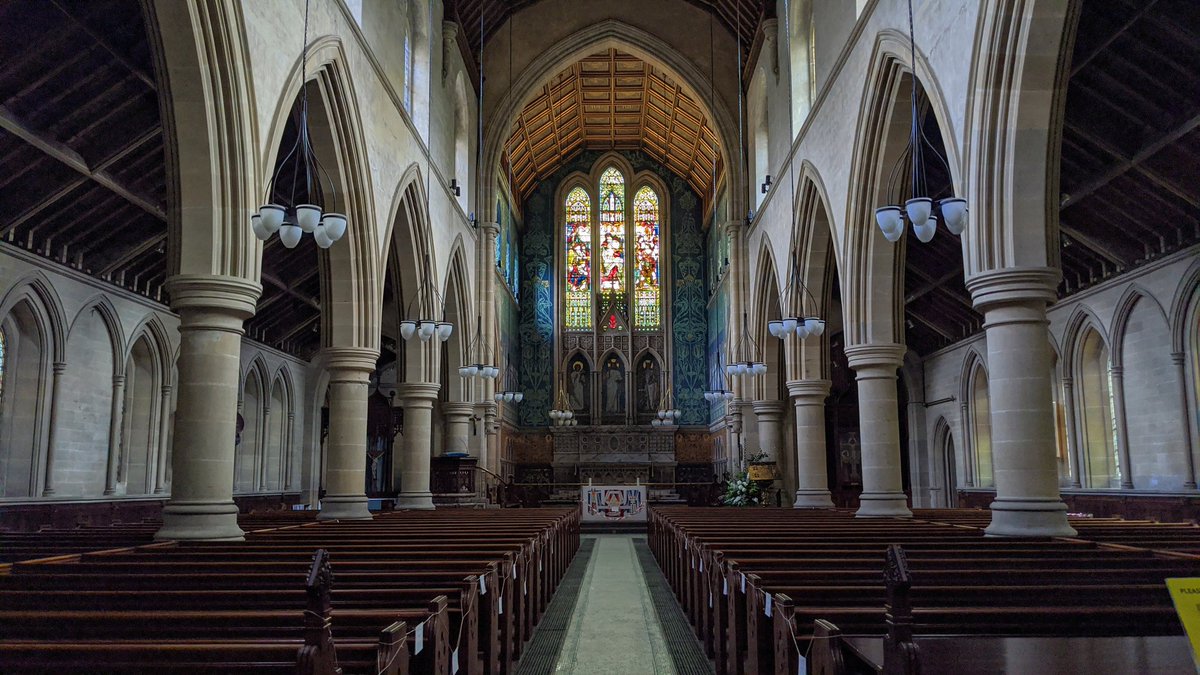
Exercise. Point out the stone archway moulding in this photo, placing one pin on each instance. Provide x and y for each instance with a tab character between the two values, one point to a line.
604	35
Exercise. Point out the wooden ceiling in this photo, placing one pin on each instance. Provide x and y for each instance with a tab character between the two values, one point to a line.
612	100
735	16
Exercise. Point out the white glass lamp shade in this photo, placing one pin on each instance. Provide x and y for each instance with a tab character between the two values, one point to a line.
471	371
493	372
574	423
518	396
425	330
758	368
498	396
729	396
290	235
731	369
819	328
260	230
655	423
775	328
708	396
744	368
335	225
444	330
894	235
810	324
889	219
507	396
308	216
662	414
272	216
801	329
926	230
322	237
408	329
676	414
789	324
918	210
464	371
954	214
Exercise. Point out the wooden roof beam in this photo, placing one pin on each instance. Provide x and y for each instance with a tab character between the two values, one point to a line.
132	254
100	40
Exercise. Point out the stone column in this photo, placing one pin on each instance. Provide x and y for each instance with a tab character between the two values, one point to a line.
487	315
812	471
286	454
211	311
418	398
770	427
735	230
52	442
264	440
1180	361
1075	454
115	426
879	429
1013	302
457	418
164	427
350	371
490	439
967	443
1118	382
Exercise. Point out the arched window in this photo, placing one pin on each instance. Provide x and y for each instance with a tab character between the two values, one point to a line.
578	304
1099	437
800	48
612	231
410	36
981	429
649	247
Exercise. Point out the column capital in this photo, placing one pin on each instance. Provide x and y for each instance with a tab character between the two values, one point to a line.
233	295
59	367
489	227
878	355
351	359
118	380
458	408
1178	358
769	27
768	408
732	226
417	393
166	389
809	388
1014	285
449	31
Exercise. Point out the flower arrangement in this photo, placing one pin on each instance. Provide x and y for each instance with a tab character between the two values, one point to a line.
741	491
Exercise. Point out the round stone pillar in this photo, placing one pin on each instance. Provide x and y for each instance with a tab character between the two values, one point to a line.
1180	361
211	311
879	429
350	371
52	443
418	398
812	477
457	418
770	427
1013	302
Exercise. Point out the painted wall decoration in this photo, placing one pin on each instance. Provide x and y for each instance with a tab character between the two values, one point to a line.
508	244
718	318
685	291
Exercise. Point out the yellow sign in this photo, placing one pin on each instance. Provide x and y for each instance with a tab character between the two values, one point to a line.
1186	594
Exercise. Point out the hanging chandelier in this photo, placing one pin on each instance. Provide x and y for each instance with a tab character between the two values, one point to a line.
805	324
747	352
667	414
479	368
562	415
293	223
421	328
508	395
919	209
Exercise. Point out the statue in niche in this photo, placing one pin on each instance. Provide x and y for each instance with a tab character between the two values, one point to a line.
649	388
577	389
614	389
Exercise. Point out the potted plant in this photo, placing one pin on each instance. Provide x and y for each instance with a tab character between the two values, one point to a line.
742	491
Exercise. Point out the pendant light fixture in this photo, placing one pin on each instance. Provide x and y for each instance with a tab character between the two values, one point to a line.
919	209
294	220
562	415
479	368
423	328
667	414
747	354
806	323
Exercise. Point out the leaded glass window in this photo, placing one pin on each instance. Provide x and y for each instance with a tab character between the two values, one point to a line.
646	273
578	304
612	231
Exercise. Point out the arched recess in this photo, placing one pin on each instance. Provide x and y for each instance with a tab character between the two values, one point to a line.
946	461
978	424
147	371
455	350
813	277
609	34
768	387
874	291
350	283
410	260
580	382
649	385
1185	348
248	458
1091	365
28	352
275	437
213	170
94	357
462	142
760	152
1147	394
801	65
614	388
1014	121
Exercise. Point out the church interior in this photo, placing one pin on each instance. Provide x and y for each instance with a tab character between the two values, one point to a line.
533	336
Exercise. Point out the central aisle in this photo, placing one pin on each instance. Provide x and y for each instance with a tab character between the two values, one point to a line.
614	627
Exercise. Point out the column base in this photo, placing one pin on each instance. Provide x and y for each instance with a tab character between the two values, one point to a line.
813	499
415	500
200	521
1029	518
344	507
883	505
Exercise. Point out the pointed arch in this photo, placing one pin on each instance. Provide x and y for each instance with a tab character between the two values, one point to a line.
1184	305
1133	295
104	308
1082	318
814	259
459	312
351	293
874	289
410	260
36	289
978	427
945	454
767	308
151	327
34	339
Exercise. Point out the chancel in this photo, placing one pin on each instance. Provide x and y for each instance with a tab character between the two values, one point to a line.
680	336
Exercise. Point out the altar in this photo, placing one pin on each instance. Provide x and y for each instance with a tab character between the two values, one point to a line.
613	455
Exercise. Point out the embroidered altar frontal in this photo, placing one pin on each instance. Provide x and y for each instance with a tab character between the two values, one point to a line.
610	503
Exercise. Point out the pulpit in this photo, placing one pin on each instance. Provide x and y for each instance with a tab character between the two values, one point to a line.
452	479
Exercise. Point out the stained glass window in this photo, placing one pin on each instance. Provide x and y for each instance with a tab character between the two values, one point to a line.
612	231
578	305
646	274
